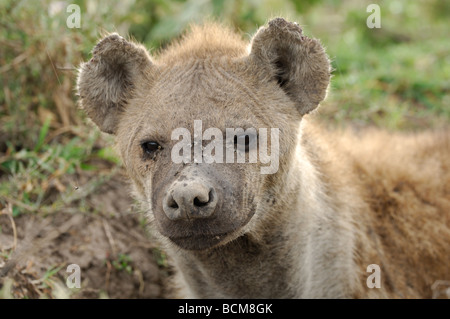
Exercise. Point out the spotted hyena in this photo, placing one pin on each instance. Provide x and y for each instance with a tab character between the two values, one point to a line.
333	204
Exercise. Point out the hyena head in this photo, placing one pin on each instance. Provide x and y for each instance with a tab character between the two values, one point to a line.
207	130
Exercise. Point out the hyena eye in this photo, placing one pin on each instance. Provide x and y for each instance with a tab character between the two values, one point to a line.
150	147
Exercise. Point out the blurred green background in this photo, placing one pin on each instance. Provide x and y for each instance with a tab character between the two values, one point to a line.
396	77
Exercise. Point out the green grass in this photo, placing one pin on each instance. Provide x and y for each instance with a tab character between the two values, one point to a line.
395	77
45	179
123	263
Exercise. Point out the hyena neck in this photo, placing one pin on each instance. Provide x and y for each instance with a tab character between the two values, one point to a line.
323	220
243	268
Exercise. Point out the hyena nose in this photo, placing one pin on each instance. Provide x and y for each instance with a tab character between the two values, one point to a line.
190	200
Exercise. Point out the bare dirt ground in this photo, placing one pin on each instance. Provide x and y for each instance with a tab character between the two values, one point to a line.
117	257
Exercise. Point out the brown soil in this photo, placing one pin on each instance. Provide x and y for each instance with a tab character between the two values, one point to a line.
117	257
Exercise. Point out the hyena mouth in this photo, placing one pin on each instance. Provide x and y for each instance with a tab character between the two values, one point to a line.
198	242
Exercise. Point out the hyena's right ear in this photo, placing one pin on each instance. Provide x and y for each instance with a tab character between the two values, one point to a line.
107	82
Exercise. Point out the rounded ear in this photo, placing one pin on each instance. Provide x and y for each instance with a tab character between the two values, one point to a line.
107	82
299	64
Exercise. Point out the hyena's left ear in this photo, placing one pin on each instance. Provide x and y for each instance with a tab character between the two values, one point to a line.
109	80
299	64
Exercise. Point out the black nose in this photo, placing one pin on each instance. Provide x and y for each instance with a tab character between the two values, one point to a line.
190	200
